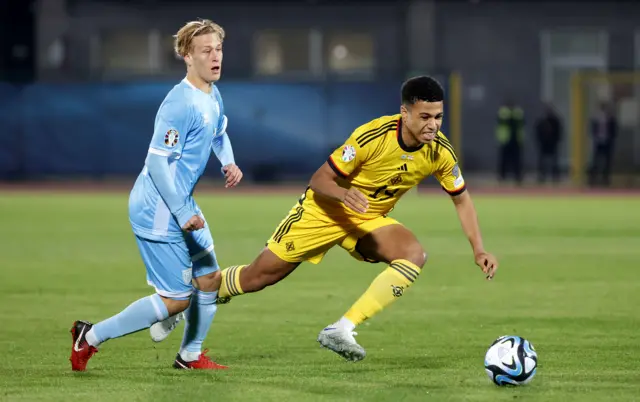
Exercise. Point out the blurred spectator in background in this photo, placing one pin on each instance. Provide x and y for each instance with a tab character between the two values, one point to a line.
510	134
548	135
603	134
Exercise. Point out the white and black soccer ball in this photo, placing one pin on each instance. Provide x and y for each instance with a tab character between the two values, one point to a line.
511	360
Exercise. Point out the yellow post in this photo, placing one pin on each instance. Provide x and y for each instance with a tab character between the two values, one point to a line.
577	129
455	114
582	83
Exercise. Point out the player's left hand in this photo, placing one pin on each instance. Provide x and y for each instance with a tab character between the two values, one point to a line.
488	263
233	174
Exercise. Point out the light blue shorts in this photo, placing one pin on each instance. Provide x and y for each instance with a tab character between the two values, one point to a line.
171	266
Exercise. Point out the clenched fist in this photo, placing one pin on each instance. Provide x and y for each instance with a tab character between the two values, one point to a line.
195	223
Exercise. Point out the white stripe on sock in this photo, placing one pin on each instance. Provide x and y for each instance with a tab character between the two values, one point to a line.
170	295
202	254
206	297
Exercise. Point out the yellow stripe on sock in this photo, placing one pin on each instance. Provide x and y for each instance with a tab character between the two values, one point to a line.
230	285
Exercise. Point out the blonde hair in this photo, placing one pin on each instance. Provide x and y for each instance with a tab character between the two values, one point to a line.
184	38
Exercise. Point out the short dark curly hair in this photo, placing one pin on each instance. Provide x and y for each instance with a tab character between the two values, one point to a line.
422	88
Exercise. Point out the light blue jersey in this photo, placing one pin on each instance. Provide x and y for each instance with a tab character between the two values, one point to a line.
189	125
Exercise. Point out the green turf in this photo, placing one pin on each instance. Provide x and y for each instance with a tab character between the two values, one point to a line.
569	282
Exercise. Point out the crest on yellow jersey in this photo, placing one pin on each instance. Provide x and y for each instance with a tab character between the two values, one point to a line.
395	180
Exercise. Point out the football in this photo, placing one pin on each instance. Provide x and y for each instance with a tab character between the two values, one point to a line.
511	360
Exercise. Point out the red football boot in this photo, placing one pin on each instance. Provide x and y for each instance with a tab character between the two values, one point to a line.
203	363
81	351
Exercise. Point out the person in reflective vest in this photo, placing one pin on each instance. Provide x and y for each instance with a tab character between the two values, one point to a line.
510	136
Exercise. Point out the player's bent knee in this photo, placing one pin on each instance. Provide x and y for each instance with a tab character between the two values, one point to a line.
416	255
209	282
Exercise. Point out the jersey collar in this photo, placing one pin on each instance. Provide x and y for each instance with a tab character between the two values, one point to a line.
186	81
404	146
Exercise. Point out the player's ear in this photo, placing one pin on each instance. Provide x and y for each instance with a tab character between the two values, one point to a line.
404	111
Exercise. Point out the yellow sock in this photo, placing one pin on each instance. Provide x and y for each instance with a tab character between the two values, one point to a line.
230	285
386	288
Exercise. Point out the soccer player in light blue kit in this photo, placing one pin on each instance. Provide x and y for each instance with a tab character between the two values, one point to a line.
172	235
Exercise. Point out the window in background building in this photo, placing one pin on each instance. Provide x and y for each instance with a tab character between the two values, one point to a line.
350	53
576	42
126	52
281	52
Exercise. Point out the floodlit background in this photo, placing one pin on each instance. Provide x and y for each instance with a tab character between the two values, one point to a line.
82	80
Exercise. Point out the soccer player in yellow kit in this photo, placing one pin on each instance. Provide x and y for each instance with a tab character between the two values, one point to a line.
347	203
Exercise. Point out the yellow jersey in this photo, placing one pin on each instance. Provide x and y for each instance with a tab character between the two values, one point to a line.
375	160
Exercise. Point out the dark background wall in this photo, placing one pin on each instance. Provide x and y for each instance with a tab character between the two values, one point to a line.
525	51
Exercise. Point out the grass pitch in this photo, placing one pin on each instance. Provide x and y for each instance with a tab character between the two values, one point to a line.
568	282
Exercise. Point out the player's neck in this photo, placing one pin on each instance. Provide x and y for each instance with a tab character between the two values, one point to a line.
198	83
409	140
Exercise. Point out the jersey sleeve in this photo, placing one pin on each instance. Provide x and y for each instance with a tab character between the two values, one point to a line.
223	150
221	144
173	122
449	174
345	159
161	176
222	122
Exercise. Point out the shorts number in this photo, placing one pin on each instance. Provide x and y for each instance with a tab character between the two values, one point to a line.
384	193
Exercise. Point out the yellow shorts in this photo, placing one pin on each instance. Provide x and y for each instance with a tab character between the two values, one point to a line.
306	235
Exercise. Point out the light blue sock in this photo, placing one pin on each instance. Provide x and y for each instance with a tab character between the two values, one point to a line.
140	314
199	317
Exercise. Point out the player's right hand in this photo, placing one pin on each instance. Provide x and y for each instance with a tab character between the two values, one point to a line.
195	223
355	200
488	263
232	174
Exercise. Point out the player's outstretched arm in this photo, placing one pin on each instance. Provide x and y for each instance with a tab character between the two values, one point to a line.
324	182
469	221
158	167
